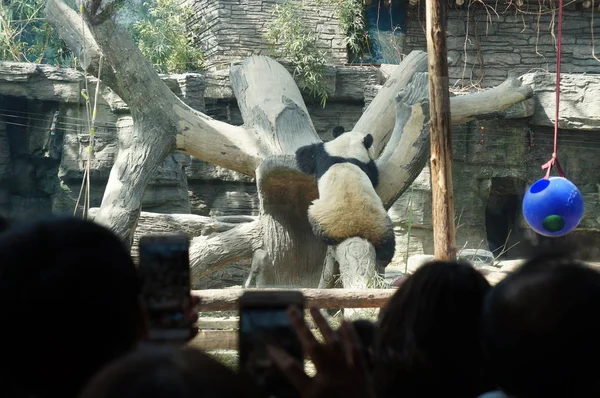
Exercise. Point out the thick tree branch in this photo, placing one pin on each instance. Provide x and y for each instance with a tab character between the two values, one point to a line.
211	253
189	224
213	141
79	39
406	152
284	125
287	237
408	148
492	103
379	118
131	77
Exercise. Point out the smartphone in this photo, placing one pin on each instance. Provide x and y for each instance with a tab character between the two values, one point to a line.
164	272
264	320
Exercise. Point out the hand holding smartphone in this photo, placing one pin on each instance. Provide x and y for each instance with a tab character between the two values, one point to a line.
164	271
264	320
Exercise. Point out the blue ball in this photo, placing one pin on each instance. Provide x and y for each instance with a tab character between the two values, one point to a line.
553	207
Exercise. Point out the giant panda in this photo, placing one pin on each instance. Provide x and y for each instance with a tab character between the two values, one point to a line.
348	205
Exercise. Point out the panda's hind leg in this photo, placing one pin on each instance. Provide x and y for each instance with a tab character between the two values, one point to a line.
387	248
320	232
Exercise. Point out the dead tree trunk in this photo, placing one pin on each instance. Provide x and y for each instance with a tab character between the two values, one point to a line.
284	250
161	122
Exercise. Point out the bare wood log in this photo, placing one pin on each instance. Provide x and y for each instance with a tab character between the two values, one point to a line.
227	299
444	235
213	141
79	39
211	253
158	115
140	87
358	267
287	237
379	117
190	224
138	158
493	102
406	152
331	271
231	322
226	248
285	125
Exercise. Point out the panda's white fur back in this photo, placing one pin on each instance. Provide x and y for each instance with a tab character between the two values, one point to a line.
348	205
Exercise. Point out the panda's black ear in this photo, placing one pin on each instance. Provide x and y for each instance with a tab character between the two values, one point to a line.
368	141
337	131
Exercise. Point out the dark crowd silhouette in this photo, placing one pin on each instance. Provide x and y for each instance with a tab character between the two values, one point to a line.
74	324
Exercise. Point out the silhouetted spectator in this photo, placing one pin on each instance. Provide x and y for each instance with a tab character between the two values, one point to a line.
541	329
4	223
153	372
365	330
428	342
69	303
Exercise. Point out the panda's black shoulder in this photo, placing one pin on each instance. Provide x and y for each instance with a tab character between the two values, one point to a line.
370	169
314	159
309	156
372	172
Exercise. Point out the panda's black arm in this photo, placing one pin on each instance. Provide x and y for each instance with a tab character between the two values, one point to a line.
373	172
308	156
370	169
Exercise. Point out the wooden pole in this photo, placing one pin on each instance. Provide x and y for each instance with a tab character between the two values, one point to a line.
444	239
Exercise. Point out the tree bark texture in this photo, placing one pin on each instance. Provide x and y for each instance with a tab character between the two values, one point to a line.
444	233
293	255
162	122
379	117
406	152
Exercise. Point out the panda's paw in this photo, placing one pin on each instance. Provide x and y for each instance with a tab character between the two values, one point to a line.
385	252
383	263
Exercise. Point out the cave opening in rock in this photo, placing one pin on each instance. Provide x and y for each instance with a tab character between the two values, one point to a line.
502	215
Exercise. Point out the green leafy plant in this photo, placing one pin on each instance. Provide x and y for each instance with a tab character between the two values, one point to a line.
351	16
165	39
290	38
25	36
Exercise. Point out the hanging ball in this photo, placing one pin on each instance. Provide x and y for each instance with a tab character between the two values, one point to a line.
553	207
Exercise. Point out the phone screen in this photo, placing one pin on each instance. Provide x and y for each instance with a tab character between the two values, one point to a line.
259	327
165	275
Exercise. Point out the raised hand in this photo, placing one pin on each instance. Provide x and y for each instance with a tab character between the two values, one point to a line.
341	368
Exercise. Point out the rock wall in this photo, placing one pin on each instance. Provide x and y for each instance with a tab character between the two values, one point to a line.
41	172
484	46
494	163
234	29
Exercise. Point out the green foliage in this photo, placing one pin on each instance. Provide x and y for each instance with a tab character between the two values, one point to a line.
292	39
25	36
351	16
165	39
162	35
